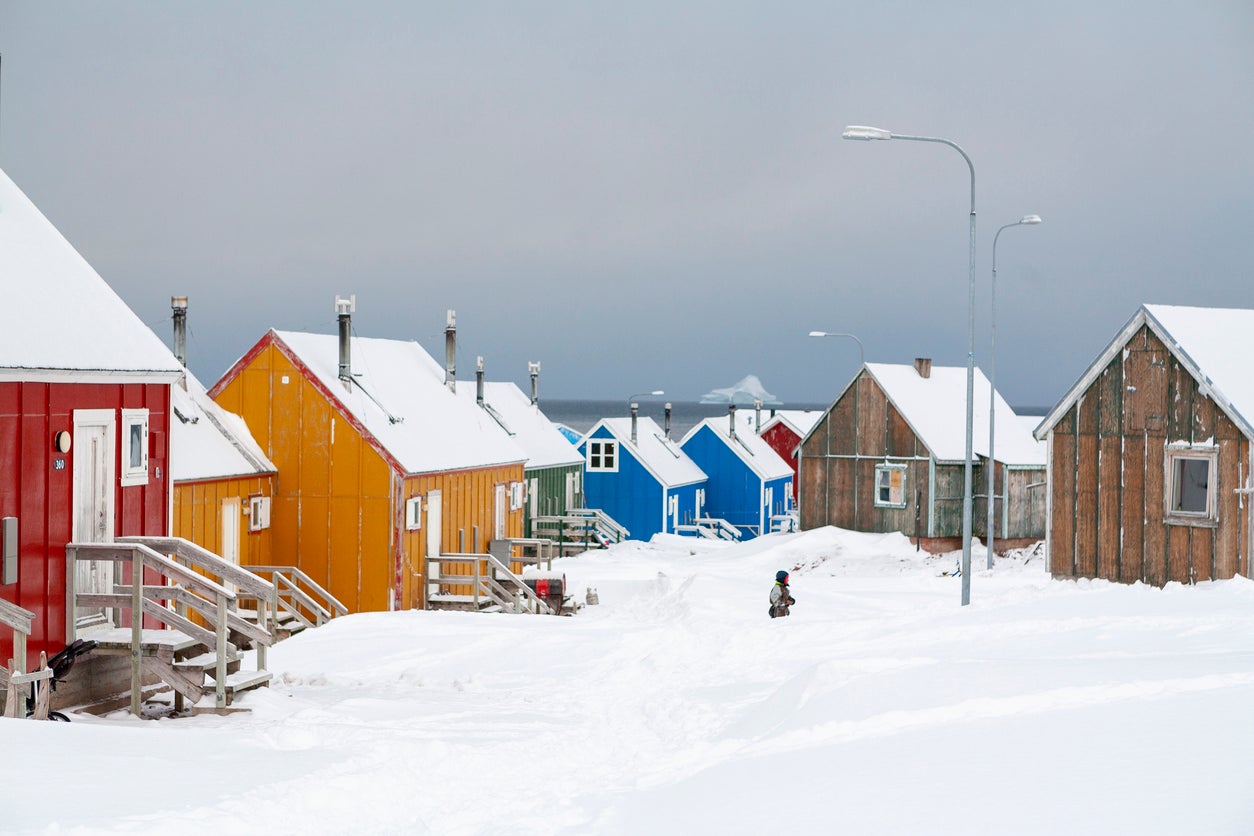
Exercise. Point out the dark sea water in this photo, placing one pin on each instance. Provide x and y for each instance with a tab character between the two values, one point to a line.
581	415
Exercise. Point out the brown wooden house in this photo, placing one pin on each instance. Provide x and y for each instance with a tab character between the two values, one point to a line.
888	456
1149	453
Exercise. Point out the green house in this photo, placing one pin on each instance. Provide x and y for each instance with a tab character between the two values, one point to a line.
553	472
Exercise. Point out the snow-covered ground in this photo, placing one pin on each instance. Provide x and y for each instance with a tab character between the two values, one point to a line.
677	706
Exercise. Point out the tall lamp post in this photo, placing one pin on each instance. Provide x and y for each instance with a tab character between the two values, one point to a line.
861	348
863	132
1026	220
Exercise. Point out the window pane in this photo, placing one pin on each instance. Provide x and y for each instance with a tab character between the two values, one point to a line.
1192	478
137	449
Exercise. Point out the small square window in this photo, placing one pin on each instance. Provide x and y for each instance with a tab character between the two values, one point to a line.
602	456
413	513
1190	492
134	447
258	513
890	486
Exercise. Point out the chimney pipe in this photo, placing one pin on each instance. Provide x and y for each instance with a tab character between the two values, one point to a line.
344	309
757	415
534	369
923	365
635	410
731	414
479	382
450	352
179	305
668	419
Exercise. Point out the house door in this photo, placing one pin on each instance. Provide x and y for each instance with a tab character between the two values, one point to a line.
674	503
93	506
502	507
571	493
229	543
765	527
434	524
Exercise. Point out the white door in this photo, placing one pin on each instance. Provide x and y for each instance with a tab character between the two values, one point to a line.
502	507
570	493
229	544
674	503
93	505
434	524
765	528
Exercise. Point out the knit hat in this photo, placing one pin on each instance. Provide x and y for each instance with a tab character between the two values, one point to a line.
781	576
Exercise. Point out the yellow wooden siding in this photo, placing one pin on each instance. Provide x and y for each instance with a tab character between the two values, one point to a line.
338	509
198	515
468	499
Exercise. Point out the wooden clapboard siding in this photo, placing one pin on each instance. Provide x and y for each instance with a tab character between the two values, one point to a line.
1063	498
1108	477
198	515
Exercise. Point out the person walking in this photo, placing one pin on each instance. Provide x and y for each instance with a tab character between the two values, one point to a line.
781	597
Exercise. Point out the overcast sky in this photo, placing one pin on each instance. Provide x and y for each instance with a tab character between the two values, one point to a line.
645	195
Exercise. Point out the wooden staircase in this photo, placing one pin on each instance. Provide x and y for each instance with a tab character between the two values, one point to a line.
181	603
579	530
479	583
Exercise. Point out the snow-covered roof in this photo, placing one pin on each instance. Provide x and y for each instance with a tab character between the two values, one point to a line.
800	421
935	407
571	434
539	437
1208	342
207	442
752	449
659	454
399	397
64	321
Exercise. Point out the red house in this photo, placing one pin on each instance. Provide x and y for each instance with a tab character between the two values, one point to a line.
84	421
784	431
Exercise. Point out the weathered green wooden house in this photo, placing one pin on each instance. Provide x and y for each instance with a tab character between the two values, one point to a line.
553	472
888	456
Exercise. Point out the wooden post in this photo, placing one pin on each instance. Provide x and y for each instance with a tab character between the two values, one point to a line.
220	671
43	690
13	700
477	571
137	629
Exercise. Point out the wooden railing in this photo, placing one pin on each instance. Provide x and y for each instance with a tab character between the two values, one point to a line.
20	620
247	584
533	550
498	585
590	526
711	528
293	590
186	588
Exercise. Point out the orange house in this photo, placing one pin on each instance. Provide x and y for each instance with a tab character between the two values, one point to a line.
380	464
223	481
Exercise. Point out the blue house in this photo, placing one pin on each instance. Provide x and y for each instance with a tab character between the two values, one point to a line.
641	478
748	482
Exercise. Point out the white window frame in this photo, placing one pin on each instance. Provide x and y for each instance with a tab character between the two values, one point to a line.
413	513
134	462
599	449
888	468
258	513
517	495
1176	456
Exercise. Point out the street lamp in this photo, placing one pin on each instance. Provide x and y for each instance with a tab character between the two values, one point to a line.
861	349
863	132
1026	220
